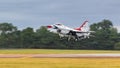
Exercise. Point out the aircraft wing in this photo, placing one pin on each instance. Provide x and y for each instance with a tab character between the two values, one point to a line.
78	31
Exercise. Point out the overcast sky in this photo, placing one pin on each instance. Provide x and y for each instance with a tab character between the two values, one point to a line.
35	13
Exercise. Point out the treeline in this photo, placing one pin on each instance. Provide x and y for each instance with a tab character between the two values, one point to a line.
105	37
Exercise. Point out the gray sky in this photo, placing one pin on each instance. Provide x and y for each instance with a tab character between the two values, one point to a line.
35	13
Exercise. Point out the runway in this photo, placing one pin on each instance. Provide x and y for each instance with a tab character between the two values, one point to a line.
60	55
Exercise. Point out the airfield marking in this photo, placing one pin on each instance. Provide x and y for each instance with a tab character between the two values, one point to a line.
60	55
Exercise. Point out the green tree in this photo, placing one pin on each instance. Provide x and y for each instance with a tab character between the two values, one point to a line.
117	46
7	28
6	38
46	39
27	38
105	34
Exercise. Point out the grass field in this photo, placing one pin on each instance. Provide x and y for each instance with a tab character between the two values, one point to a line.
53	51
59	62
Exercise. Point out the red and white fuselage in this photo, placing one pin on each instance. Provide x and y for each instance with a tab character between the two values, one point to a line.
65	31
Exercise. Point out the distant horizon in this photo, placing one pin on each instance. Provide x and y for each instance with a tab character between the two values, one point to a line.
61	23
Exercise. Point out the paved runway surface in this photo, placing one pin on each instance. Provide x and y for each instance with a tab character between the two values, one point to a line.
60	55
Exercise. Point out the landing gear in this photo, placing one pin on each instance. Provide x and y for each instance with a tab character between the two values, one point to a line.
73	35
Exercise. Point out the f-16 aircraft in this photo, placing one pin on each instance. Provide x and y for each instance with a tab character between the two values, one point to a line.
79	33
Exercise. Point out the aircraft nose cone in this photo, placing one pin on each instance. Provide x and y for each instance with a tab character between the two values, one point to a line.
49	26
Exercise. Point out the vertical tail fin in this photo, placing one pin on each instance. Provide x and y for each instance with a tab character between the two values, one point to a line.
83	27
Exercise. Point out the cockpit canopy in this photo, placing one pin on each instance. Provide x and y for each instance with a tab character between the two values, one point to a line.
58	24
